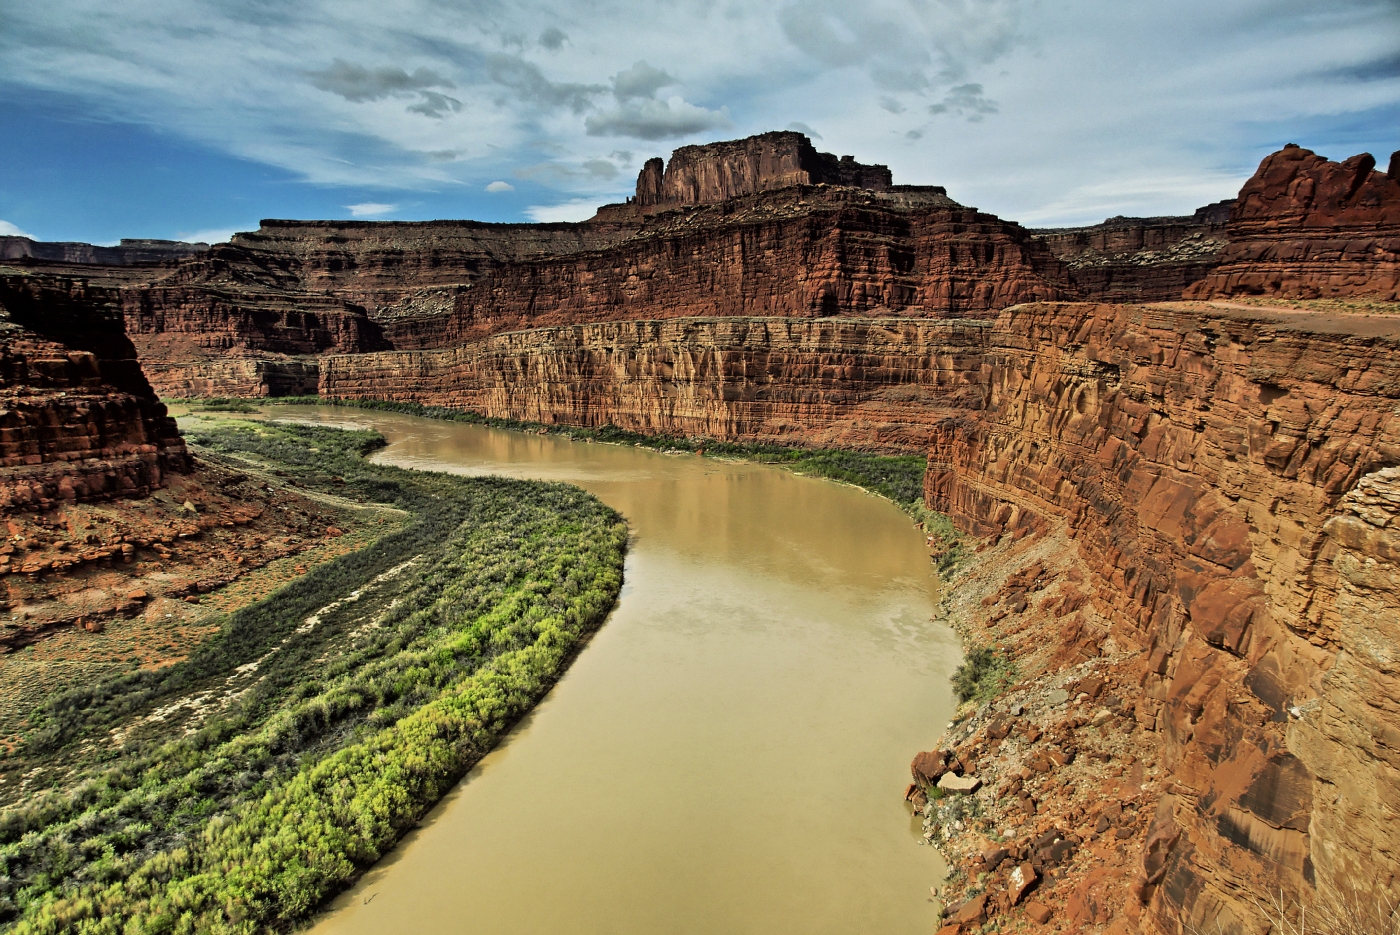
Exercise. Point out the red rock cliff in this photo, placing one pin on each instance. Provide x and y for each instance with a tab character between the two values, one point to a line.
715	172
1140	259
79	420
1221	486
801	252
1305	227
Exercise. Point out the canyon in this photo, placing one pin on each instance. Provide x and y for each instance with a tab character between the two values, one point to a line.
760	227
1182	471
1208	469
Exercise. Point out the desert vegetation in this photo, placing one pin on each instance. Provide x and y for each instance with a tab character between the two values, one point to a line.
899	478
238	789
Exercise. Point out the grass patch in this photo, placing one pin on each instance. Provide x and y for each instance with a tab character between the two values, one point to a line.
237	790
221	404
983	674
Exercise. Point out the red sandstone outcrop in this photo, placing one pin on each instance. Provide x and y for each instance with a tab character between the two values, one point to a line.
1220	485
800	252
1305	227
715	172
1140	259
79	420
875	383
228	323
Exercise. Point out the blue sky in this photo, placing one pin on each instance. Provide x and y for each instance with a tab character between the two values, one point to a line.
189	119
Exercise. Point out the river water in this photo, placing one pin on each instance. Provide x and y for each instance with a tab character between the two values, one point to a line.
728	753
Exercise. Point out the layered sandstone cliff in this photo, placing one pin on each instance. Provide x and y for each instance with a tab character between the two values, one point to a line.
1223	485
236	324
1306	227
1141	259
79	420
715	172
800	252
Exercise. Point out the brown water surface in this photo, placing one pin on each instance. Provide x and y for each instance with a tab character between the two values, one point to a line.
728	754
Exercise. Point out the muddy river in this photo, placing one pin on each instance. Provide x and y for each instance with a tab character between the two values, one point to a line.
728	753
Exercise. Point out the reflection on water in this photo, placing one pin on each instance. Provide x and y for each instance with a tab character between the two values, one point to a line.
728	753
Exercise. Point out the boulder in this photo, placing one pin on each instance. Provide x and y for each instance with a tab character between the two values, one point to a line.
1022	880
952	782
1037	912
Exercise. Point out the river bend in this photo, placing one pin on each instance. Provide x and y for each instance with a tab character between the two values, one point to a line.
728	752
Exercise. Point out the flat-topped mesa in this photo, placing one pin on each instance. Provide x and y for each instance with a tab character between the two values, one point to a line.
127	253
1141	259
1306	227
716	172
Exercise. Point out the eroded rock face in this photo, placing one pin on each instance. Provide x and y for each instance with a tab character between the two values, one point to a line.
1306	227
1223	481
869	383
1196	461
715	172
79	420
800	252
1140	259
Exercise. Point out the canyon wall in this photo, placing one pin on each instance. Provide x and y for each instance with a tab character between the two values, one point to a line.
802	252
1140	259
875	383
1225	482
79	419
1199	463
1305	227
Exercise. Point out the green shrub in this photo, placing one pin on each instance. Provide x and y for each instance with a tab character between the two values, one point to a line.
983	674
345	734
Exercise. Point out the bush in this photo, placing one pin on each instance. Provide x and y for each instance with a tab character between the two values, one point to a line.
427	647
983	675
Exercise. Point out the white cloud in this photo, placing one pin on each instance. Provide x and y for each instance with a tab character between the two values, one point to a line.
369	209
1019	107
217	235
580	209
9	230
500	187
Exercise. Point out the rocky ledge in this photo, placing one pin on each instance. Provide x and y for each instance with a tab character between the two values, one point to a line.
78	420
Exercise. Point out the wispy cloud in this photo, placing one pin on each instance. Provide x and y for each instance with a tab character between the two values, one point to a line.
369	209
10	230
422	96
641	115
580	209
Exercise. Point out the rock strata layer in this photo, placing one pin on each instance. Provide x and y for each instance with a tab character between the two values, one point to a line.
1222	481
79	421
1141	259
127	253
1306	227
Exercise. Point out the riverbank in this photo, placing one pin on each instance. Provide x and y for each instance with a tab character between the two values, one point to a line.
1066	778
897	478
238	789
1042	793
